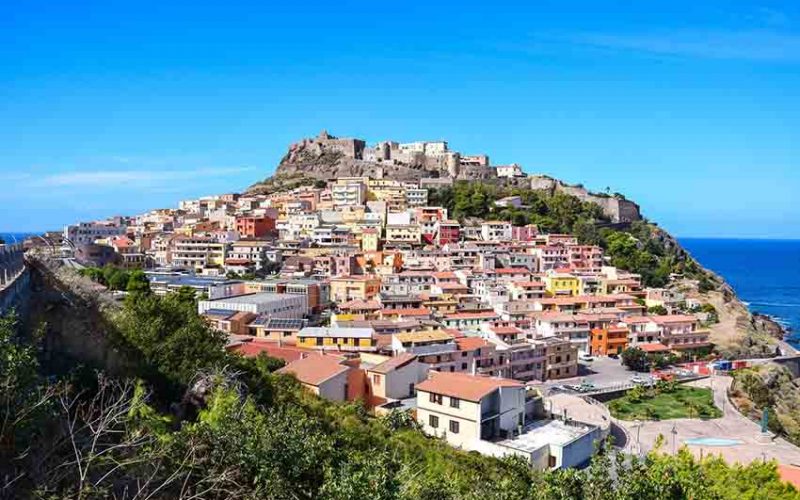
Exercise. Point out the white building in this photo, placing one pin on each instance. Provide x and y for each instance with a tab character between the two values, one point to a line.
496	230
277	305
85	233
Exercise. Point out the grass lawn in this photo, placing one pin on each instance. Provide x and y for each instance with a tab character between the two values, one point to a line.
683	402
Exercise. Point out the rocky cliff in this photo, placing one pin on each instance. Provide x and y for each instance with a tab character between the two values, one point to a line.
326	158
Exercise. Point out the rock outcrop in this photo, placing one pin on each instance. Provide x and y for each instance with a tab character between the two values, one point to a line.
619	209
326	157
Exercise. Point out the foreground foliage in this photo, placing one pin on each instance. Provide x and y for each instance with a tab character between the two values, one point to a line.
195	421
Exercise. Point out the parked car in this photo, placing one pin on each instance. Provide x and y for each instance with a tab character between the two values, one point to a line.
640	379
585	357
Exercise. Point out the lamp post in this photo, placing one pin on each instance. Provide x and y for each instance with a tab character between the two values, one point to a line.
674	437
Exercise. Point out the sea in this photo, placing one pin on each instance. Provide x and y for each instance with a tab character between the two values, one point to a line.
12	237
764	273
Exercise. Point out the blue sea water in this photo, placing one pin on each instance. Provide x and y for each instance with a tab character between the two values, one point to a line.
764	273
12	237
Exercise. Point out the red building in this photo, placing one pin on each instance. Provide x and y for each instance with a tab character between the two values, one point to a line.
449	232
254	227
524	233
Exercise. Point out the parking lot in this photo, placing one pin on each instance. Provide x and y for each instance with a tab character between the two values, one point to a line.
602	372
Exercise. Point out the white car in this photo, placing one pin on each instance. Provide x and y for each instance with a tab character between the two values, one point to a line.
585	357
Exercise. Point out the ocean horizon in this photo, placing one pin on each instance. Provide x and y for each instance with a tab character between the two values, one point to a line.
764	273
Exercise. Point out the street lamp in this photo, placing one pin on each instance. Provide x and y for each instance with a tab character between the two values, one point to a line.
674	437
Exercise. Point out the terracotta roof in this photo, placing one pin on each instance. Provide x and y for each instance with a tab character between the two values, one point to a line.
471	315
464	386
254	348
433	335
418	311
674	318
360	304
529	284
654	347
470	343
505	330
394	363
512	270
315	369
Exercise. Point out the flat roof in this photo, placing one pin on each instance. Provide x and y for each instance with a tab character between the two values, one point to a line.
324	331
254	298
542	433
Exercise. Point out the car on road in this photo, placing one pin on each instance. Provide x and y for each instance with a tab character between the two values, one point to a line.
585	357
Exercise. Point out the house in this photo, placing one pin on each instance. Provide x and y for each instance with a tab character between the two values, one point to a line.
394	378
370	239
276	329
558	284
496	230
610	340
403	233
469	320
332	377
345	288
561	358
466	409
337	339
255	227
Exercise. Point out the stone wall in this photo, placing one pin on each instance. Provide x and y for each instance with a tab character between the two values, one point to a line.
618	209
14	278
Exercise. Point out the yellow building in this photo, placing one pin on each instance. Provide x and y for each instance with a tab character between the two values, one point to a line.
370	240
337	339
560	284
344	288
404	233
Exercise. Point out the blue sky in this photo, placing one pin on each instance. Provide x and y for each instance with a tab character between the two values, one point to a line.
690	108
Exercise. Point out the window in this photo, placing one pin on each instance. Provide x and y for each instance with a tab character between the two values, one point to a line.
454	402
376	379
435	398
433	421
454	426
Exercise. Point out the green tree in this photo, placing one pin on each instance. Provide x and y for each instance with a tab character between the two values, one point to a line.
658	310
635	359
138	283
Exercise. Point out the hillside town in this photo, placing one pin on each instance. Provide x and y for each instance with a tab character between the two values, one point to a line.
369	293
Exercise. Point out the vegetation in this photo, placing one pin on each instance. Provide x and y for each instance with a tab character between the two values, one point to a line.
191	420
663	401
283	182
769	386
639	247
638	360
116	278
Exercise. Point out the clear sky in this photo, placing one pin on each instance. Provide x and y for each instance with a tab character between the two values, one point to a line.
692	108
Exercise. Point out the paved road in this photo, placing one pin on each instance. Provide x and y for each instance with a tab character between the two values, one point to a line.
732	425
602	372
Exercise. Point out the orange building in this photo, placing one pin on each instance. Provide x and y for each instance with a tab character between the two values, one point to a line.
610	340
254	227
